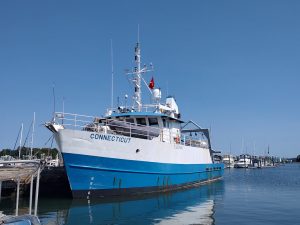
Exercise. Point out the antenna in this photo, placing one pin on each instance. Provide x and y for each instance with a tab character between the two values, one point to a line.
126	97
63	110
53	91
138	34
112	73
167	88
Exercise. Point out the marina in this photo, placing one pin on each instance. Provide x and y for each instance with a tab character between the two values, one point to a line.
252	194
160	113
107	167
142	154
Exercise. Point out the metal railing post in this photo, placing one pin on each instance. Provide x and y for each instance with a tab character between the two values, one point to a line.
130	129
30	196
37	191
18	196
0	189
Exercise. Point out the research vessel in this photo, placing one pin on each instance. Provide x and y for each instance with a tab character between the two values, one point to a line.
136	149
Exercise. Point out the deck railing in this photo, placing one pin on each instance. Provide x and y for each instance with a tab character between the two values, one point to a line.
110	126
22	171
123	109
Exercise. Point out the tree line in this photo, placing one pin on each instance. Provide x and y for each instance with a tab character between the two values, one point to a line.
25	151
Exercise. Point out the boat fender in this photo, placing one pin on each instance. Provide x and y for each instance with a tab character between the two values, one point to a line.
177	140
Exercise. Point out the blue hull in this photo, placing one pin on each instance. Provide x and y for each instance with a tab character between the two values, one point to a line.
91	176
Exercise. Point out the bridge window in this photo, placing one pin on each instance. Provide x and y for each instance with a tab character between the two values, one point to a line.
129	120
153	122
141	121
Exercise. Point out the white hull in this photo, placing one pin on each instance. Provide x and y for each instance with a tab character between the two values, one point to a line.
80	142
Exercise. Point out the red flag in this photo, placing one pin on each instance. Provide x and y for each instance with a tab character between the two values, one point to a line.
151	84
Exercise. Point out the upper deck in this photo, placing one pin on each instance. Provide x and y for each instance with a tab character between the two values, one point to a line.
148	126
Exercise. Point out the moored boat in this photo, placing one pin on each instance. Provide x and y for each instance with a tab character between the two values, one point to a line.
134	150
228	161
243	162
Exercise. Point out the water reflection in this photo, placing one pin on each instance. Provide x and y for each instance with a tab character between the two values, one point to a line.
201	213
192	206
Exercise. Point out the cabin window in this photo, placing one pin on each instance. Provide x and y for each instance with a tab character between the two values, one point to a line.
141	121
129	120
153	122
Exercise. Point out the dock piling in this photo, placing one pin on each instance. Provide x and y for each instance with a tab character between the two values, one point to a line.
18	197
30	195
37	191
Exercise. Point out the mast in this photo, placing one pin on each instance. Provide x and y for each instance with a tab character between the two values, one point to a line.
20	148
137	79
137	75
31	147
112	73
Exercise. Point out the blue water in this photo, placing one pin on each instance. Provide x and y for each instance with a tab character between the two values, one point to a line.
244	196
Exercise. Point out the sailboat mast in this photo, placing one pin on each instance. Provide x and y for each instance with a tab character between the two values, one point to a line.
20	148
31	148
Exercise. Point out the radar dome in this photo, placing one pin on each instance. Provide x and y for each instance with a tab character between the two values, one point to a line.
156	94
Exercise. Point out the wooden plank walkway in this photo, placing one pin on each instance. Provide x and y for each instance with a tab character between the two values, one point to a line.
18	170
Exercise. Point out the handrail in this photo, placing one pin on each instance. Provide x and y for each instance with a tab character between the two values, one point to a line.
16	174
73	114
36	161
122	127
145	106
11	169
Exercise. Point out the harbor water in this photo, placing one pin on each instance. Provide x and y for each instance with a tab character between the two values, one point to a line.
244	196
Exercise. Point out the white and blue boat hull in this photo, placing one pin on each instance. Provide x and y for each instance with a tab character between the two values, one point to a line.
101	177
100	167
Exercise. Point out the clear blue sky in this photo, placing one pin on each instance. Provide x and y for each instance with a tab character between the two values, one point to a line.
233	66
